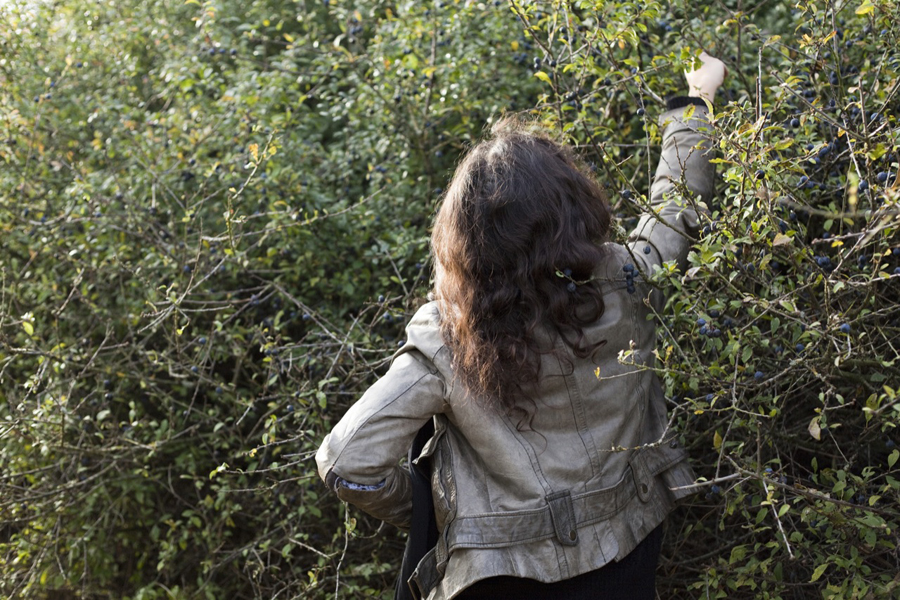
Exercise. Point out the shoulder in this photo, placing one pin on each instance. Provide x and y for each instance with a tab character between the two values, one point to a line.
423	333
616	257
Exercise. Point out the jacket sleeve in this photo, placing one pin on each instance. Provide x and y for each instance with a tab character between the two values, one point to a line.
359	459
669	229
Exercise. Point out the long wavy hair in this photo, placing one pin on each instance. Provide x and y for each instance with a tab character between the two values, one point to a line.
516	240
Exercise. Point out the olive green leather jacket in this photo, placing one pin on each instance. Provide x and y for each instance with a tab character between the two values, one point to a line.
595	471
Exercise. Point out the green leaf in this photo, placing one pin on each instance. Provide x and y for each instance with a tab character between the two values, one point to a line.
218	469
28	327
784	144
892	459
818	572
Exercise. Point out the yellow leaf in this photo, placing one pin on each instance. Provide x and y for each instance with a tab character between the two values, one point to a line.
814	429
542	76
514	44
254	151
689	112
717	440
865	9
781	239
28	327
288	37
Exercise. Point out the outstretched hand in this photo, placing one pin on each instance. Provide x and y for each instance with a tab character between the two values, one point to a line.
705	80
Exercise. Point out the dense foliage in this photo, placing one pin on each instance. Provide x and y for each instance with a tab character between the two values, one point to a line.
214	221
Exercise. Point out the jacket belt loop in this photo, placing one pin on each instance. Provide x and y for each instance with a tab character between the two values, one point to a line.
425	577
441	552
643	480
563	516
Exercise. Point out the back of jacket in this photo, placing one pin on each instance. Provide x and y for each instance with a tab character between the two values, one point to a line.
589	472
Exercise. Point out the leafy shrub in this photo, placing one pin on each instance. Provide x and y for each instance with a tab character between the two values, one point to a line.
215	222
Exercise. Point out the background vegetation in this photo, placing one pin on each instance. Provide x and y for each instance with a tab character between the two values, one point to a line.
214	221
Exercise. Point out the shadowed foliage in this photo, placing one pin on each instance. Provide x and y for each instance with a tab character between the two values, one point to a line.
215	220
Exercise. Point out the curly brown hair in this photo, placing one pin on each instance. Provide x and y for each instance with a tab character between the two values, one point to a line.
516	240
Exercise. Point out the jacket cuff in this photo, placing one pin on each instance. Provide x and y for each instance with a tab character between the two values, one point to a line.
682	101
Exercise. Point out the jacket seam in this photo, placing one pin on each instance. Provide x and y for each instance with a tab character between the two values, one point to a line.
576	403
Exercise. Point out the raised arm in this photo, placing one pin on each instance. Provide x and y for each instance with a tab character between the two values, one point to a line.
684	164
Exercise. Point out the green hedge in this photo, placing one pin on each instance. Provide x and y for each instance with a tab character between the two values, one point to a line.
215	219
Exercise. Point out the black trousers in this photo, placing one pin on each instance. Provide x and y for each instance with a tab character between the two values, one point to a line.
632	578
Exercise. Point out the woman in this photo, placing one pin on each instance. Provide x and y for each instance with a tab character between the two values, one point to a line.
552	460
